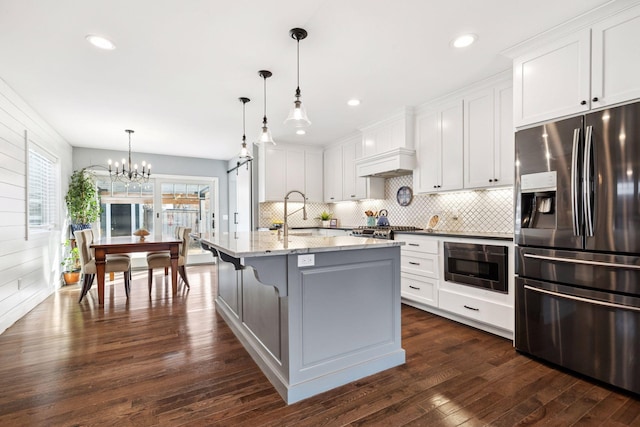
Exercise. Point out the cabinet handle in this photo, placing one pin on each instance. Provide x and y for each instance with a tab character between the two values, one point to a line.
235	217
491	180
435	186
595	99
331	198
495	179
471	308
414	287
414	263
353	195
412	244
583	102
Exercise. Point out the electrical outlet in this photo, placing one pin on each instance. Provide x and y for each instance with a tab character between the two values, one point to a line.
307	260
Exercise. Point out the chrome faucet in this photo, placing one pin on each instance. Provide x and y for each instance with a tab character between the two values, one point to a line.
285	226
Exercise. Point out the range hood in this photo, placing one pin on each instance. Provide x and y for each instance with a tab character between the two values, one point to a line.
397	162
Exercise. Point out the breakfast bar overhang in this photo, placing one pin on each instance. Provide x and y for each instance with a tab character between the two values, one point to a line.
314	312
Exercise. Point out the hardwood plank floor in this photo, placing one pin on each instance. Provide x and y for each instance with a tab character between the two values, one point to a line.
172	361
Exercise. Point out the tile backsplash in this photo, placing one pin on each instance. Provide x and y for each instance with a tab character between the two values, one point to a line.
474	211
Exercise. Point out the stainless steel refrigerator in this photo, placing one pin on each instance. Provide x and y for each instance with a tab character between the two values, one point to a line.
577	230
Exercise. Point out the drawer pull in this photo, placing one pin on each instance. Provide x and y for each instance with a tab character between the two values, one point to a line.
413	287
414	263
413	244
471	308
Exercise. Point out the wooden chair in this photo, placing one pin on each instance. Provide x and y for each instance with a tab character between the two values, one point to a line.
84	238
163	259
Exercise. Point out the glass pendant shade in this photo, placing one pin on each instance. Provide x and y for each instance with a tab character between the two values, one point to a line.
244	151
298	115
265	135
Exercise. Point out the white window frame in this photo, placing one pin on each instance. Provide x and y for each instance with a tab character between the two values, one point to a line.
53	195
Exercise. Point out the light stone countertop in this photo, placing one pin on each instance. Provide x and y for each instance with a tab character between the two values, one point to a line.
264	243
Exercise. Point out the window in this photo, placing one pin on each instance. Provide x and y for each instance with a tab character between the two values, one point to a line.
42	189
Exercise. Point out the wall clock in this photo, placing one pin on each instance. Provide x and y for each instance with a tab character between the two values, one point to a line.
404	196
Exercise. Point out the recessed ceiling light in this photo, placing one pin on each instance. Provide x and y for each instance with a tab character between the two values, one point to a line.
301	132
353	102
100	42
464	40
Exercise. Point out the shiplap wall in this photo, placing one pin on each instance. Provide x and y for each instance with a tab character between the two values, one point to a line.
29	269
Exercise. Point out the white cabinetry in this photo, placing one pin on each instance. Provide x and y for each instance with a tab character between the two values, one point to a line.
423	285
284	168
333	174
341	181
419	269
439	149
591	68
489	137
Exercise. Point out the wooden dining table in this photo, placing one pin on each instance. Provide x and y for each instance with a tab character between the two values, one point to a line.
129	244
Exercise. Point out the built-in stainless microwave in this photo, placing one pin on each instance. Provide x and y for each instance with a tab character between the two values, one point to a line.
484	266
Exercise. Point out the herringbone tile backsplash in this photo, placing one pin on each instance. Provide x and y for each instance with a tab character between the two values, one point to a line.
488	211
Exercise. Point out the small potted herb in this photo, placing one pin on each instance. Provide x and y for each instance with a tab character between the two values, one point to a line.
325	217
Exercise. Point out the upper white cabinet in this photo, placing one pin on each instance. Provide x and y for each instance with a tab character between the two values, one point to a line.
333	174
615	57
439	135
284	168
341	181
313	176
489	137
591	68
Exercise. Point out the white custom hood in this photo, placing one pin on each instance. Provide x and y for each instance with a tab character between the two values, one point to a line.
396	162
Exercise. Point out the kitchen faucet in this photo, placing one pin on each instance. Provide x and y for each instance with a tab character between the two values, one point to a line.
285	226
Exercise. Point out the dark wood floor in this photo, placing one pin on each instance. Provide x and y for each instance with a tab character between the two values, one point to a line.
173	361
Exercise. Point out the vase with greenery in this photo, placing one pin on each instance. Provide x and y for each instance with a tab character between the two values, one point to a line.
325	217
83	203
70	264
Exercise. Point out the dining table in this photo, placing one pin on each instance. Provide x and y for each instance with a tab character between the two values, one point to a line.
129	244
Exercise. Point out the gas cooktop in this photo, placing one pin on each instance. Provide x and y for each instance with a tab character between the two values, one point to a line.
380	231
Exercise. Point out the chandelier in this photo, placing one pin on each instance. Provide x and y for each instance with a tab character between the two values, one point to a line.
128	172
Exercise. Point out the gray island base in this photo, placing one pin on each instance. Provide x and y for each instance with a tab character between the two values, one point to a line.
314	313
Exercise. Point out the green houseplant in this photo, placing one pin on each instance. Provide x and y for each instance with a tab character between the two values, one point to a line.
325	217
83	204
70	264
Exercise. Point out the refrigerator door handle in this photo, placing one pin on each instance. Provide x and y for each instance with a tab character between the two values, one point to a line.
575	177
586	185
581	299
584	261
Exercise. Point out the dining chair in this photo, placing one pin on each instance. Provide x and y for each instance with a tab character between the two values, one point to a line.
163	259
178	235
84	238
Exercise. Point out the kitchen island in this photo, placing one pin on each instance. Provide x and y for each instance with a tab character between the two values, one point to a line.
314	312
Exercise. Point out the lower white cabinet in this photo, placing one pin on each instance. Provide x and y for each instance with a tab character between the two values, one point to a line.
482	310
423	285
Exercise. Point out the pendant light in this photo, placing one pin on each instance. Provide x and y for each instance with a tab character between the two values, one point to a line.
265	135
298	114
244	151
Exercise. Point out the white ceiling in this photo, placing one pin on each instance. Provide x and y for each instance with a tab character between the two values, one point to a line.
180	65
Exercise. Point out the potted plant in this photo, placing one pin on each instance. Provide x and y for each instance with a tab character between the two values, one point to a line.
71	264
325	217
83	204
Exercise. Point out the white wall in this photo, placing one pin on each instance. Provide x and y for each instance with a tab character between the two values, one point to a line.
29	269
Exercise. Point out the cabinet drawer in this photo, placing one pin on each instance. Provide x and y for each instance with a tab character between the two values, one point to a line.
419	263
419	289
417	244
485	311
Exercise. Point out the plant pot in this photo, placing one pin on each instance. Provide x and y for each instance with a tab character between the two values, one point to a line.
71	277
326	224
